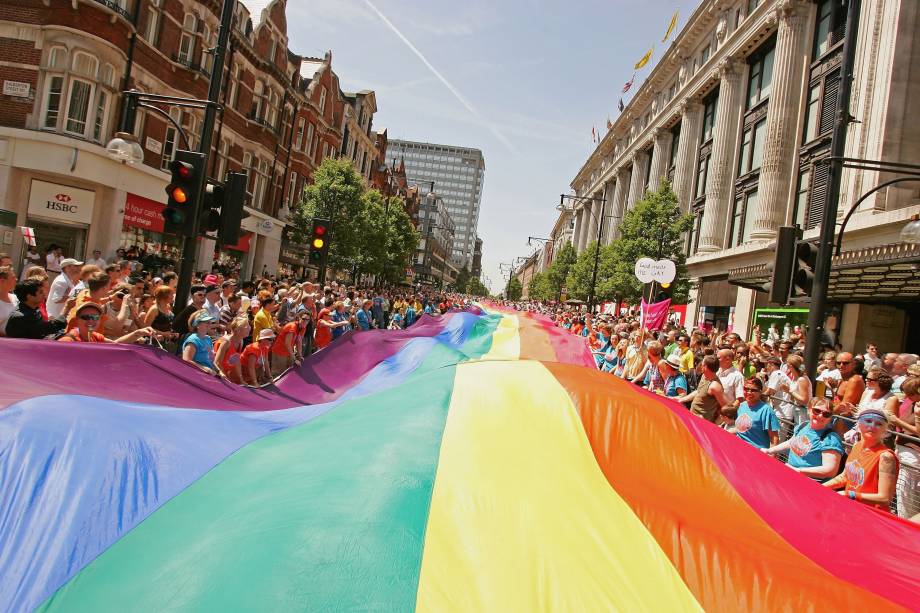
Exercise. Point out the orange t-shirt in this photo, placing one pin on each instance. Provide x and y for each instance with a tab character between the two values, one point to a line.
82	298
279	348
231	359
253	355
576	329
862	470
323	334
74	337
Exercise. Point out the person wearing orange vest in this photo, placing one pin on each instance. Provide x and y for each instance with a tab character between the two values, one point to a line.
872	468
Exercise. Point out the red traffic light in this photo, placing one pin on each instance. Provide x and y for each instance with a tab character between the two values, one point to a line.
319	230
182	170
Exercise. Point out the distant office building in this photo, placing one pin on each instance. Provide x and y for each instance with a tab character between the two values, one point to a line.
457	173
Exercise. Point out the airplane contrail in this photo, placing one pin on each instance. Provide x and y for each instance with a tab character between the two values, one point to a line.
469	107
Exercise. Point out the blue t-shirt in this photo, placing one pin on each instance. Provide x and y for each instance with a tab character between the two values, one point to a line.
806	446
203	348
339	331
364	321
671	385
753	424
410	316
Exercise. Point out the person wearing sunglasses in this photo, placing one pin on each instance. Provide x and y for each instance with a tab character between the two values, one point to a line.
756	422
86	320
814	449
878	392
872	468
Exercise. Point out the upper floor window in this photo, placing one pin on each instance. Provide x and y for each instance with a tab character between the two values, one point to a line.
322	100
709	115
298	135
234	94
77	96
704	56
752	140
258	91
830	26
310	143
187	39
151	31
169	141
273	103
207	58
760	80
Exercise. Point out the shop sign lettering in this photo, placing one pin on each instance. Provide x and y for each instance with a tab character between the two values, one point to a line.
61	202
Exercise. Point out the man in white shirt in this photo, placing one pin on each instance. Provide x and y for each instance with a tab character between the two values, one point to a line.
97	260
777	384
61	287
730	377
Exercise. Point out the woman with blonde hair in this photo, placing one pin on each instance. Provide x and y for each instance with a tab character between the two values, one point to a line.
229	348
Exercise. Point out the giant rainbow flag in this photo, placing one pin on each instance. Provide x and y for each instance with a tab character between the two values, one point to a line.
471	463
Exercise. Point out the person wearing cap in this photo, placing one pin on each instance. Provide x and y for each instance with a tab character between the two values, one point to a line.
756	423
212	297
675	384
61	287
872	468
814	448
86	320
227	289
254	359
198	348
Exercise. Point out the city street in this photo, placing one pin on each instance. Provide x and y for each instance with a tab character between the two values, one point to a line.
349	305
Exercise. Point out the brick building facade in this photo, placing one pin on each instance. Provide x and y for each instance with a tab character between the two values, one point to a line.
63	64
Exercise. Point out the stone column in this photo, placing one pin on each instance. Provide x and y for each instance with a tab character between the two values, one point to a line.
620	193
661	156
593	209
691	118
776	172
608	221
637	181
719	184
581	229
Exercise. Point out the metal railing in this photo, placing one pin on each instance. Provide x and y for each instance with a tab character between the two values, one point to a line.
906	501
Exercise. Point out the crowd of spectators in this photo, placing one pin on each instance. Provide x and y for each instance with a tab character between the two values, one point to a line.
855	429
249	332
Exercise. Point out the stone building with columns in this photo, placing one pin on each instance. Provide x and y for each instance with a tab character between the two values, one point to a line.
738	115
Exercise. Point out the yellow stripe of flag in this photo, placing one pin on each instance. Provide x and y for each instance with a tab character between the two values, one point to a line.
645	59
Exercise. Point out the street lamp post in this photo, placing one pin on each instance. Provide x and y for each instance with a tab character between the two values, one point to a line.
600	234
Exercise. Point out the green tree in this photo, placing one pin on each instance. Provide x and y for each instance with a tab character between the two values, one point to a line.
463	280
390	238
538	288
578	281
336	195
655	227
476	288
514	289
558	271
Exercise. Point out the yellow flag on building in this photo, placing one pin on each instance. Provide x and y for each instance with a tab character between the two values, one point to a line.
671	27
645	59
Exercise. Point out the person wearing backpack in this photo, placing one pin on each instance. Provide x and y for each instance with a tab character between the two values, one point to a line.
814	449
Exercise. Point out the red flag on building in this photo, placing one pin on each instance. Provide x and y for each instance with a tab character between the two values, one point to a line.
629	84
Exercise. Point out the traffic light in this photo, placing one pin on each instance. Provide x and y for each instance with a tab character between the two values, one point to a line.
319	242
780	288
803	271
181	195
665	290
214	194
232	210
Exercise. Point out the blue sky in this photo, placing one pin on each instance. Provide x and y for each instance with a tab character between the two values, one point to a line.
522	80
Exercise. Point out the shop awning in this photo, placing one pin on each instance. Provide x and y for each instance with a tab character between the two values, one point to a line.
886	273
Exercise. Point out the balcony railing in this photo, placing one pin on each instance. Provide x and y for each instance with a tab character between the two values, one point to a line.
115	6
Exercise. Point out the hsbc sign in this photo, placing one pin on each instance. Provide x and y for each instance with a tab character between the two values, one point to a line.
61	202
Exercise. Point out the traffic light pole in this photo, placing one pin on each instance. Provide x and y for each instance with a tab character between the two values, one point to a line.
816	313
190	245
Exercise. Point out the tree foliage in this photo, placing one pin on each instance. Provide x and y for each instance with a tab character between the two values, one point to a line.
655	227
476	288
463	280
514	289
538	288
369	233
558	271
